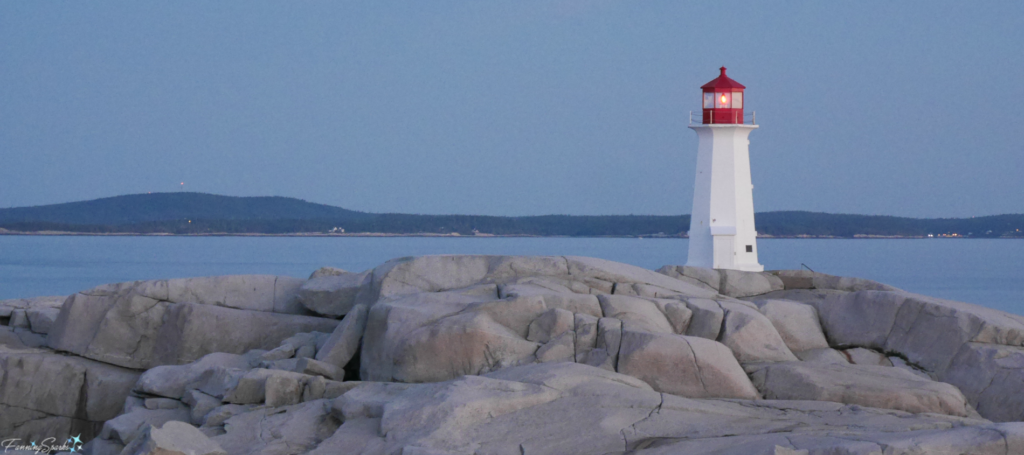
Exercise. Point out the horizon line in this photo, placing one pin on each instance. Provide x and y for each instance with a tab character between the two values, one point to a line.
493	216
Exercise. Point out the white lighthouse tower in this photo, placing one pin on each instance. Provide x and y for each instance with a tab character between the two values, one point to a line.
722	234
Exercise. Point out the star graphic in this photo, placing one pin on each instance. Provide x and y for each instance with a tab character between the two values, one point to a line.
77	439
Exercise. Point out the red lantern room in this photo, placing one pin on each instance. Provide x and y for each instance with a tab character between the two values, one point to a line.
723	100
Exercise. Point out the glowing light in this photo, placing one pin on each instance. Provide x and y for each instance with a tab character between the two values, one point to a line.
723	99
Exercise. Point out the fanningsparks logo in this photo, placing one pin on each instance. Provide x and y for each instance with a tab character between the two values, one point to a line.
46	446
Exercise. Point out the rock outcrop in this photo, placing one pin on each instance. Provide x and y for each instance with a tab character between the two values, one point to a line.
950	341
500	354
145	324
44	394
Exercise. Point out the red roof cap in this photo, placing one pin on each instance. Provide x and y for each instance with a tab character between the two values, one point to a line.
722	81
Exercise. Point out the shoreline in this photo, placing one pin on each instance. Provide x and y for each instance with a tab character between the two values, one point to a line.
454	235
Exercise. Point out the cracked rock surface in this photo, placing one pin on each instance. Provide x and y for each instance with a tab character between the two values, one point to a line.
513	355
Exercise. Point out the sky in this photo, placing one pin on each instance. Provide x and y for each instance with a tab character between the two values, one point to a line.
513	107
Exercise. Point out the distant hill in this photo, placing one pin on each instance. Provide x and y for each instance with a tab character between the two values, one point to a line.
145	208
197	213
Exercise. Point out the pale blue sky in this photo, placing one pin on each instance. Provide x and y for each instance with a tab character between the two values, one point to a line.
513	107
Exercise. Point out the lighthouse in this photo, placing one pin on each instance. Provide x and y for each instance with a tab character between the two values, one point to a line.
722	234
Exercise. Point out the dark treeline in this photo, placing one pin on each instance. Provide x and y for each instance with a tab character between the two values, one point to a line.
195	213
780	224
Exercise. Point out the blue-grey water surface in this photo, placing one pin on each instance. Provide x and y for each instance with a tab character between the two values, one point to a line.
986	272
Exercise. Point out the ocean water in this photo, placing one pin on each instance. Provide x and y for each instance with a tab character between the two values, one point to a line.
987	272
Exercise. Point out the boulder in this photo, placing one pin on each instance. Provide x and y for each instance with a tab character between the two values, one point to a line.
677	313
7	307
405	276
430	337
41	319
21	338
981	440
285	351
685	366
912	369
751	336
354	436
278	294
823	355
327	271
848	284
929	332
344	341
9	339
19	319
31	425
926	331
806	279
282	390
635	313
200	404
125	428
862	356
334	295
549	325
317	388
317	368
561	348
162	403
251	387
541	285
606	347
217	416
466	399
120	325
564	408
517	312
584	268
172	381
795	279
300	345
708	278
796	322
469	343
290	429
585	330
874	386
71	392
176	438
706	321
367	400
737	283
649	291
99	446
992	378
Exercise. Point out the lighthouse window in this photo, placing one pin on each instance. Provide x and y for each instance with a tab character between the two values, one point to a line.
737	100
723	100
750	248
709	100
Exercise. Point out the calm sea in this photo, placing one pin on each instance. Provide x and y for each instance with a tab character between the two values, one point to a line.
986	272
